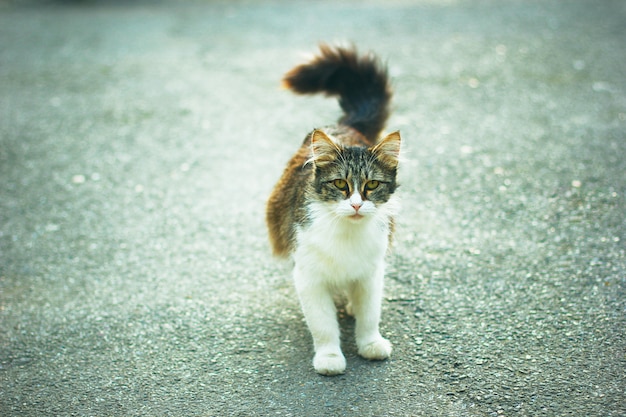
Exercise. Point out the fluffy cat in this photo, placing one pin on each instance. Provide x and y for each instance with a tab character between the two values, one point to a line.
333	208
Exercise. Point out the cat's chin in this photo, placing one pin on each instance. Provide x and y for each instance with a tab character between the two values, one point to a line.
356	218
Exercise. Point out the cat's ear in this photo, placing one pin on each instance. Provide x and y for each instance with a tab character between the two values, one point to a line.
323	149
388	149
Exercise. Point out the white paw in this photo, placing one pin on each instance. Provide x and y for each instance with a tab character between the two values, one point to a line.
377	350
329	363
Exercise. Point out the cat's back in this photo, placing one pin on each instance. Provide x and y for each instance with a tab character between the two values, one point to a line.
285	206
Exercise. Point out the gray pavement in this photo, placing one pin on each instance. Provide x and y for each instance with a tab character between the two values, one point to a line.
139	143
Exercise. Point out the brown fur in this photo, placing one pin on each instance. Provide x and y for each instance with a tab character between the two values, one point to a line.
279	218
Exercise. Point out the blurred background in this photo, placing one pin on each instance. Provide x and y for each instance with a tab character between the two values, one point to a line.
139	141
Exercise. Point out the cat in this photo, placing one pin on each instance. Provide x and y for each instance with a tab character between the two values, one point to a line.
333	208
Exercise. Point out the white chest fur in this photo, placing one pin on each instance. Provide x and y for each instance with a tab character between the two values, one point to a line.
342	250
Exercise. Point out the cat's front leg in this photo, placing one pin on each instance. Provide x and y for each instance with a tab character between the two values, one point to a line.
321	317
365	303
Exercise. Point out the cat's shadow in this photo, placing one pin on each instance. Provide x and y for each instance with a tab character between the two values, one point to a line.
347	325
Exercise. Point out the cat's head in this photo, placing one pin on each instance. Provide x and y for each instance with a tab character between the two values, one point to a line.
354	182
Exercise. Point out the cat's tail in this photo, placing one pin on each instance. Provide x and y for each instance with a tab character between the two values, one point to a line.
360	81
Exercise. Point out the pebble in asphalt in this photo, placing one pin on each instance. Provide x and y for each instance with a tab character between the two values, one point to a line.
139	142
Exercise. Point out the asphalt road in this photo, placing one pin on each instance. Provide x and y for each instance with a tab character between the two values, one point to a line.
139	143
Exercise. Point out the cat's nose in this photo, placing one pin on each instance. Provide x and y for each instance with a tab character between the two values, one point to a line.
356	201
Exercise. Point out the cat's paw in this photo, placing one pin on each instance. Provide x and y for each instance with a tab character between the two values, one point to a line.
329	363
377	350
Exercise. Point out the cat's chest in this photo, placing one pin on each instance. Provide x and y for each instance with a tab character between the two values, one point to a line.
343	250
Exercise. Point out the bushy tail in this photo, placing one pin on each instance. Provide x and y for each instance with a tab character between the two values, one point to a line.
361	82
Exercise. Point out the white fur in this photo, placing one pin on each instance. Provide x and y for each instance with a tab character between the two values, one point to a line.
337	253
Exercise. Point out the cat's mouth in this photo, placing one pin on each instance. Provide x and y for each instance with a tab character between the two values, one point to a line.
356	216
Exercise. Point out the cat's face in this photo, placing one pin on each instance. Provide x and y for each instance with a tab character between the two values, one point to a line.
354	182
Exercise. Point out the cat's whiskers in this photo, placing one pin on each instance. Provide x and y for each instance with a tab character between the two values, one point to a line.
324	214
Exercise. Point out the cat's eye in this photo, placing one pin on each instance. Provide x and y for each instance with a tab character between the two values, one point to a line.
372	185
341	184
